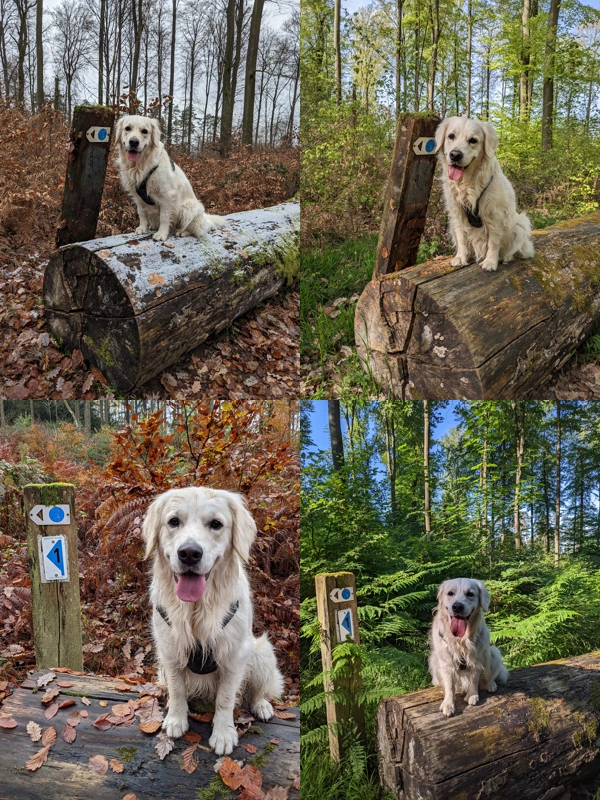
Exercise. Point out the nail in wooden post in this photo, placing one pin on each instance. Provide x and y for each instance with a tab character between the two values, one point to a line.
407	194
336	611
86	169
54	574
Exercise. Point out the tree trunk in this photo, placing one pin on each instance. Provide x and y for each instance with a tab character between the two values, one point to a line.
525	59
337	49
435	37
399	104
138	28
426	468
519	415
335	434
549	61
172	72
228	98
250	81
39	53
469	55
101	35
87	419
557	504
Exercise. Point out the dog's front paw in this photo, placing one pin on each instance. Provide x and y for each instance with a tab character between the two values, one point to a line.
224	739
175	726
491	687
263	710
473	700
459	261
141	229
447	707
489	264
159	236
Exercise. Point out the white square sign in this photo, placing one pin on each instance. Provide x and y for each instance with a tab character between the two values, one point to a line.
54	561
345	626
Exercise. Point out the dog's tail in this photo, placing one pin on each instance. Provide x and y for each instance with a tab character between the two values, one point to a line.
498	667
215	221
523	230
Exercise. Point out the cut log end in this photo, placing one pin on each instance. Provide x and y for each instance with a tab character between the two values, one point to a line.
133	306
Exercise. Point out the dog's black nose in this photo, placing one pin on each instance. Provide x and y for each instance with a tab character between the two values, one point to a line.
190	555
455	155
134	142
458	608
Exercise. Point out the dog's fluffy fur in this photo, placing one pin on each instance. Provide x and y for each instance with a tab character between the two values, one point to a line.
181	519
462	661
176	206
466	150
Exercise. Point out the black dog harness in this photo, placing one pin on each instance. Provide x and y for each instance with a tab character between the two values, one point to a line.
473	215
141	190
201	661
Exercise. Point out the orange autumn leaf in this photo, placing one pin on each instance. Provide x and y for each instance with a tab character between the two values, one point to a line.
116	765
51	710
69	734
189	761
36	761
150	727
64	684
250	748
231	773
98	765
8	722
192	737
49	736
277	793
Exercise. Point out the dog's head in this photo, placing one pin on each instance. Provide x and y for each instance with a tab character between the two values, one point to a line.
192	529
135	134
460	598
461	142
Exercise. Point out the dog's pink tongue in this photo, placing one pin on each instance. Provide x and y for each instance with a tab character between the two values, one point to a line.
455	173
190	588
132	155
458	626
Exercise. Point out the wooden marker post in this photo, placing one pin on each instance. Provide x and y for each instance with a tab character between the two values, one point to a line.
86	169
54	574
336	610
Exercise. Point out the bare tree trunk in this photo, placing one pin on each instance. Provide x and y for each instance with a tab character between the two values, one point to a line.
548	93
435	37
337	48
557	506
87	419
138	29
2	417
228	99
469	55
172	74
101	35
250	81
519	413
525	59
39	53
335	434
31	413
426	469
399	105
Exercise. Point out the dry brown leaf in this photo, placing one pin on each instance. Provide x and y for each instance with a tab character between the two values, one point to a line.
83	713
277	793
130	796
49	736
50	694
164	745
250	748
102	723
189	761
208	717
39	758
45	679
123	709
274	740
244	719
251	777
69	734
150	727
98	765
283	714
116	765
103	703
3	685
8	722
154	279
231	773
86	702
74	718
34	731
51	710
192	737
64	684
103	253
296	783
251	793
67	703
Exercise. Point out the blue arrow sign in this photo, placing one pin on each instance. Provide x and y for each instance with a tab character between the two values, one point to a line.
346	622
345	625
56	556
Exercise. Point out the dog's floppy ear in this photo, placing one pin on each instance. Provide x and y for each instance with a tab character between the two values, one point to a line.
484	595
154	132
441	590
440	134
490	139
118	130
244	527
151	525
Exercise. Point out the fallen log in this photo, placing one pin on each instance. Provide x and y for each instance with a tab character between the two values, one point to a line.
536	738
133	306
436	331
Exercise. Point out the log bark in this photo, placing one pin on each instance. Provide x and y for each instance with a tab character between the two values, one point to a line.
133	306
536	738
440	332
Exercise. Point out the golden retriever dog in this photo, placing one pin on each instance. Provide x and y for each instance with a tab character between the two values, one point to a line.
199	539
163	195
480	200
462	660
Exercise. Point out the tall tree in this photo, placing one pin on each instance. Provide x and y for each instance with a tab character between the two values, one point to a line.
549	67
228	97
519	416
426	438
335	434
557	501
39	53
250	81
525	62
172	71
337	47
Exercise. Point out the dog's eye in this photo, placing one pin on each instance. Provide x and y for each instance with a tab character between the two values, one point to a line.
450	594
451	136
128	128
144	132
215	524
174	522
470	594
472	141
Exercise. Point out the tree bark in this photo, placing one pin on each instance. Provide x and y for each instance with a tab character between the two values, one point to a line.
469	55
525	60
335	434
557	502
101	36
87	419
172	71
549	62
39	53
519	415
250	81
426	468
228	98
337	49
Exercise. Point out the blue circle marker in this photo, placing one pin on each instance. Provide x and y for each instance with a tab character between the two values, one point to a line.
345	594
56	514
102	134
430	145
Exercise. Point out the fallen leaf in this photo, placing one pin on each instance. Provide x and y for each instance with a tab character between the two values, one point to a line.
274	740
168	244
51	711
102	723
277	793
231	773
192	737
103	253
116	765
34	731
45	679
154	279
189	762
86	702
251	793
8	722
150	727
50	694
67	703
250	748
244	719
98	765
283	714
103	703
208	717
83	713
69	734
130	797
123	709
49	736
39	758
164	745
251	777
296	783
74	718
3	685
64	684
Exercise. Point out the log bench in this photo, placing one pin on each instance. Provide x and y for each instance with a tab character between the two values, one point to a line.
66	775
537	737
133	306
436	331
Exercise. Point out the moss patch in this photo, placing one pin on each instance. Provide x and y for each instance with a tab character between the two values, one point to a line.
50	494
595	696
588	731
541	716
261	759
216	790
126	754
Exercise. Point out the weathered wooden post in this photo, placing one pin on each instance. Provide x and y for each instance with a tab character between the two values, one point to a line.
54	574
86	169
338	620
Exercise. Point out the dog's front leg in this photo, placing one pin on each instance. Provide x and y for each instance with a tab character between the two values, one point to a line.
472	693
224	734
490	262
461	259
176	722
162	234
447	707
144	225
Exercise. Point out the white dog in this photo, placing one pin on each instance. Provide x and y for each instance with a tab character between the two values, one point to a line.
479	198
202	613
163	195
462	659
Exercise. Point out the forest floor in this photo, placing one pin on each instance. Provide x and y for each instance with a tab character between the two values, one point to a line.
256	356
334	274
